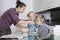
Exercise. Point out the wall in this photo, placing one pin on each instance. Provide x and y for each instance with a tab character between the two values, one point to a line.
0	8
5	4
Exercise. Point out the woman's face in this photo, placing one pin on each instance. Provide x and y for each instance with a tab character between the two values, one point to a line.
21	9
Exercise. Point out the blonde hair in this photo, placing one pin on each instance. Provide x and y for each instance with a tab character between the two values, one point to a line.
30	13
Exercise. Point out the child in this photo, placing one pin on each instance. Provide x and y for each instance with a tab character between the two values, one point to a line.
43	29
32	27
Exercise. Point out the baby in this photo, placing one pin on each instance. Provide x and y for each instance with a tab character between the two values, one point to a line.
43	29
32	27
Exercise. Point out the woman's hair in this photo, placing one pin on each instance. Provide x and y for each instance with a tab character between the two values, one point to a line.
30	13
19	4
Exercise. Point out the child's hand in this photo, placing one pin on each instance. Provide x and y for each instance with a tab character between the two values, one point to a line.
24	30
31	22
40	39
37	30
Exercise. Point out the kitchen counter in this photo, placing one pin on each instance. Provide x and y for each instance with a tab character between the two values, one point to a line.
17	36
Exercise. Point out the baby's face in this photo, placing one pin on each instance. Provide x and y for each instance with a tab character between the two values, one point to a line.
38	22
31	16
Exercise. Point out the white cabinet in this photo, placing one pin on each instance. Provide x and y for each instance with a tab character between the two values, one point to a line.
57	32
41	5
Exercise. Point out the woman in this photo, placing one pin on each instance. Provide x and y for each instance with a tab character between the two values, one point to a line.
11	17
